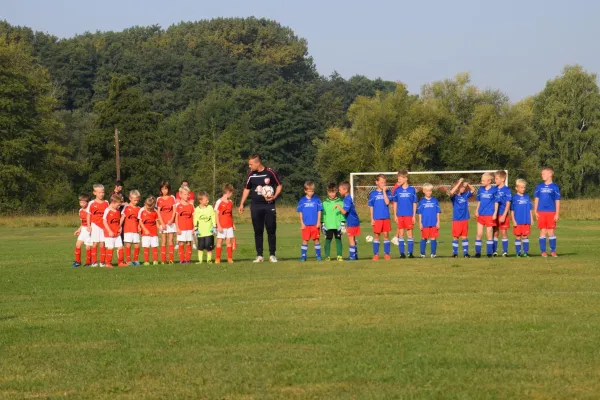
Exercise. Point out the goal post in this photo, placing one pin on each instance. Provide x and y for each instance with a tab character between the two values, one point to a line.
363	183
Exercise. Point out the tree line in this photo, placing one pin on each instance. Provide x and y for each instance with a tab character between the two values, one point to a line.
193	100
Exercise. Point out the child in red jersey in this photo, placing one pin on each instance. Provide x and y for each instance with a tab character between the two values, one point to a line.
131	228
112	231
184	221
95	226
83	236
225	225
166	218
148	218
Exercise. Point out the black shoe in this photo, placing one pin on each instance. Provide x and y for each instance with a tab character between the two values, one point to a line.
490	255
454	255
402	255
467	256
410	255
477	255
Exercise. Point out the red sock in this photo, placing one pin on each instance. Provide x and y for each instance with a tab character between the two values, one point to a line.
146	253
78	254
229	252
163	253
94	254
155	253
120	256
181	252
88	255
128	253
108	253
103	254
171	253
218	253
136	253
188	253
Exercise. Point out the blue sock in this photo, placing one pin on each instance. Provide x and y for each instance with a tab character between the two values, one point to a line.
504	245
518	246
526	246
478	246
455	247
543	244
433	246
376	247
386	247
552	240
423	245
495	248
401	245
411	245
352	252
318	250
303	250
465	246
490	247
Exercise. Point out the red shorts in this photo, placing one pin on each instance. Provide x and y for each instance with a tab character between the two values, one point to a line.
546	220
311	233
522	230
353	230
405	223
430	233
505	225
381	226
487	220
460	228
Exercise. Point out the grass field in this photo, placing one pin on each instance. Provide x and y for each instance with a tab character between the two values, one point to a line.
442	328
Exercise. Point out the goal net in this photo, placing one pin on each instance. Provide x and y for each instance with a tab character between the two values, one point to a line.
363	183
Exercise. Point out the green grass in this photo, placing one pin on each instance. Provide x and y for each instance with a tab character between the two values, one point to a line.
442	328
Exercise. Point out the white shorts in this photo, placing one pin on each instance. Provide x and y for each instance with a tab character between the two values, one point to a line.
170	228
113	243
97	235
84	236
226	234
149	241
186	236
131	237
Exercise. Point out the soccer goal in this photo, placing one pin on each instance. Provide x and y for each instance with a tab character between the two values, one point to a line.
363	183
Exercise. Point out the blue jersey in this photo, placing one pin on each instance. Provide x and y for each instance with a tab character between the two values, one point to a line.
351	214
310	210
547	196
405	200
503	196
429	210
521	207
460	206
380	209
487	200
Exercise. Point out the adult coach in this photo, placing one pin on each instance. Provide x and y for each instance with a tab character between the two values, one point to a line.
262	209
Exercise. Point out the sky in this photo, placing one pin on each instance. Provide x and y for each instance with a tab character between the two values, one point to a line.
514	46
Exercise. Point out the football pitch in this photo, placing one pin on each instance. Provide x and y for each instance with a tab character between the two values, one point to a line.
421	328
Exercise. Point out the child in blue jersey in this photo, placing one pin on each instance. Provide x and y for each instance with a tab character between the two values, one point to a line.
379	203
352	222
429	220
503	197
405	201
547	209
487	211
459	195
309	210
522	215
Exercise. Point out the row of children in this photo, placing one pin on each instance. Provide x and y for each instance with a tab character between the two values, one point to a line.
496	207
105	226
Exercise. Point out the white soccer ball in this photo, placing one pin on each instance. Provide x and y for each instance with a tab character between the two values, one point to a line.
369	238
267	191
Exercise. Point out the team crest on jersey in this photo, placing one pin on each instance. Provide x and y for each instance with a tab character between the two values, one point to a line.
267	181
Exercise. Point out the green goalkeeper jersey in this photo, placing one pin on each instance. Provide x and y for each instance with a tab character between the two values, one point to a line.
331	216
204	220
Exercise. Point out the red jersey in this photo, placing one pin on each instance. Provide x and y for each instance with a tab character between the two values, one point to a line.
149	220
224	211
131	222
185	216
190	199
165	208
113	218
83	214
96	209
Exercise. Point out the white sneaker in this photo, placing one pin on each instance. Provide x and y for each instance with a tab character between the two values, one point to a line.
258	259
433	256
273	259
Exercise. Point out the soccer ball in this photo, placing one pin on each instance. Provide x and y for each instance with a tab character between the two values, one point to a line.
267	191
369	238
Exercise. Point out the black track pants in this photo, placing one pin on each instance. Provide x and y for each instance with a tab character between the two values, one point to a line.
264	216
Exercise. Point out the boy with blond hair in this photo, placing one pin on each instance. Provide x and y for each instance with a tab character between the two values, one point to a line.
429	212
149	220
503	197
83	236
225	225
333	222
352	221
309	210
522	215
379	206
547	210
131	228
95	225
405	201
205	224
460	195
487	212
112	231
184	222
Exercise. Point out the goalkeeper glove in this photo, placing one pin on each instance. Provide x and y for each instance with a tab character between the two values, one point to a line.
323	228
343	228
